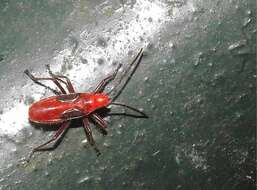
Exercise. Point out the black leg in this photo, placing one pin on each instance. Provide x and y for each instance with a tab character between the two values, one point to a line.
100	122
59	78
100	87
56	135
90	136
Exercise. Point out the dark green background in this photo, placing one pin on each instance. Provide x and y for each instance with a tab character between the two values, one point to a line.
199	94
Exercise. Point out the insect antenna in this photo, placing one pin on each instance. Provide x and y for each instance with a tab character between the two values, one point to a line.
116	92
142	114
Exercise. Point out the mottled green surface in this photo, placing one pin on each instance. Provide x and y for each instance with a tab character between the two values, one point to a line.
196	82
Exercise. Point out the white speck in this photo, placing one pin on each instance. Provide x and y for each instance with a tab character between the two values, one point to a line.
248	177
171	45
155	153
84	179
237	45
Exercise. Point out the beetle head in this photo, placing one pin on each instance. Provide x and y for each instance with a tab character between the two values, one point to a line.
100	100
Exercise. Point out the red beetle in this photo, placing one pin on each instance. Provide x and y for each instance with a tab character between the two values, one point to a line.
67	106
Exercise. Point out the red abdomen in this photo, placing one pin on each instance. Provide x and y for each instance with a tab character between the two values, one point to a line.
48	110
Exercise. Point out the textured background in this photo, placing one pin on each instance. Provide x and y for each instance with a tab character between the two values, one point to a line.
196	82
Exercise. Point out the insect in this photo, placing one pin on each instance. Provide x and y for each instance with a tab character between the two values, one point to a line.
68	105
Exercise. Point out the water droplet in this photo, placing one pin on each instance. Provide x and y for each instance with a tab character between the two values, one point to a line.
14	150
46	173
30	133
140	93
100	61
155	153
246	21
141	109
84	143
83	180
106	144
83	60
237	45
171	45
101	42
103	168
210	64
17	182
248	12
146	79
248	177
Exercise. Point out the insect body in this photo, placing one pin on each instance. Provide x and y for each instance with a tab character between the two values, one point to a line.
67	106
57	109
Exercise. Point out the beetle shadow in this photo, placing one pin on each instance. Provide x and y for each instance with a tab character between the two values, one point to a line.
54	127
103	112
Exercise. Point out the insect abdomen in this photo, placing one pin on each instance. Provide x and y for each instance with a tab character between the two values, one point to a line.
48	110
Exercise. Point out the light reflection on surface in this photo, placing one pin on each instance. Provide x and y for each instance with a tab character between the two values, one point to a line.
127	31
144	20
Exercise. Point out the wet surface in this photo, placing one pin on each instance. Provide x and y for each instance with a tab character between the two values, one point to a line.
196	82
